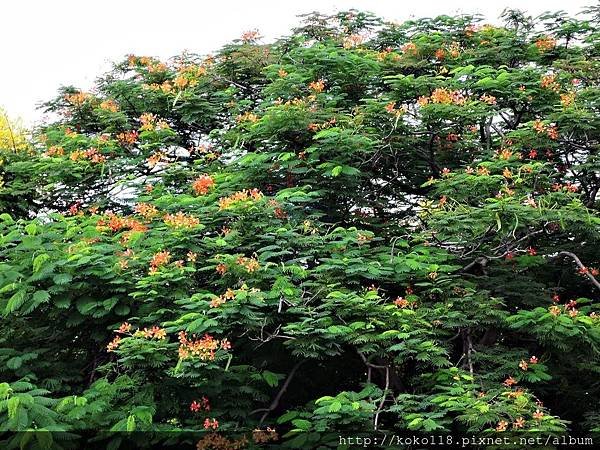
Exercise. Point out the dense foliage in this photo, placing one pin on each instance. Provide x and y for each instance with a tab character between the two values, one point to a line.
361	226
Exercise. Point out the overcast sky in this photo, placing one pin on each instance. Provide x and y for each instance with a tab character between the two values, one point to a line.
48	43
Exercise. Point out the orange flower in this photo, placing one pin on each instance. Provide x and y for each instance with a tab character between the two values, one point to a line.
549	82
454	49
489	99
509	382
160	259
250	36
154	159
127	137
148	121
154	333
241	196
113	344
203	184
180	220
539	126
55	151
523	365
247	117
221	269
146	210
204	348
409	48
567	99
545	43
191	256
538	415
519	423
282	73
216	302
502	425
401	302
483	171
317	86
553	132
109	105
250	264
124	328
554	310
77	99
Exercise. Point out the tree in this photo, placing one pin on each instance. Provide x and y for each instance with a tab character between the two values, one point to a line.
361	226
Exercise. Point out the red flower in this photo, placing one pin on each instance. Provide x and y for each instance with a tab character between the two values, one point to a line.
208	423
533	360
195	406
532	251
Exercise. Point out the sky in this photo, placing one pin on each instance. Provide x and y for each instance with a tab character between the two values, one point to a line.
46	44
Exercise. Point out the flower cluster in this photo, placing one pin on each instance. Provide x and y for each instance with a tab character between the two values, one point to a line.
181	220
250	264
117	223
317	86
159	259
146	210
568	186
55	151
90	154
203	184
489	99
200	405
453	50
409	49
204	347
250	36
443	96
567	99
153	333
127	137
354	40
153	65
149	333
402	303
109	105
114	344
321	126
545	43
549	82
240	196
247	117
188	76
397	112
150	122
211	423
551	130
78	98
218	301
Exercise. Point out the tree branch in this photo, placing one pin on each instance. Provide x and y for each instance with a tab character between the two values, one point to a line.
585	270
275	403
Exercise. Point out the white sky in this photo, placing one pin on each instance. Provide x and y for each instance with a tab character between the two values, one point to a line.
48	43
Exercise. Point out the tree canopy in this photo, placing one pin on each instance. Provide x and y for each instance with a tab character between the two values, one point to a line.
362	226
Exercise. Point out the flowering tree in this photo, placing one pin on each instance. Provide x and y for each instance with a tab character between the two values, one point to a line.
361	226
